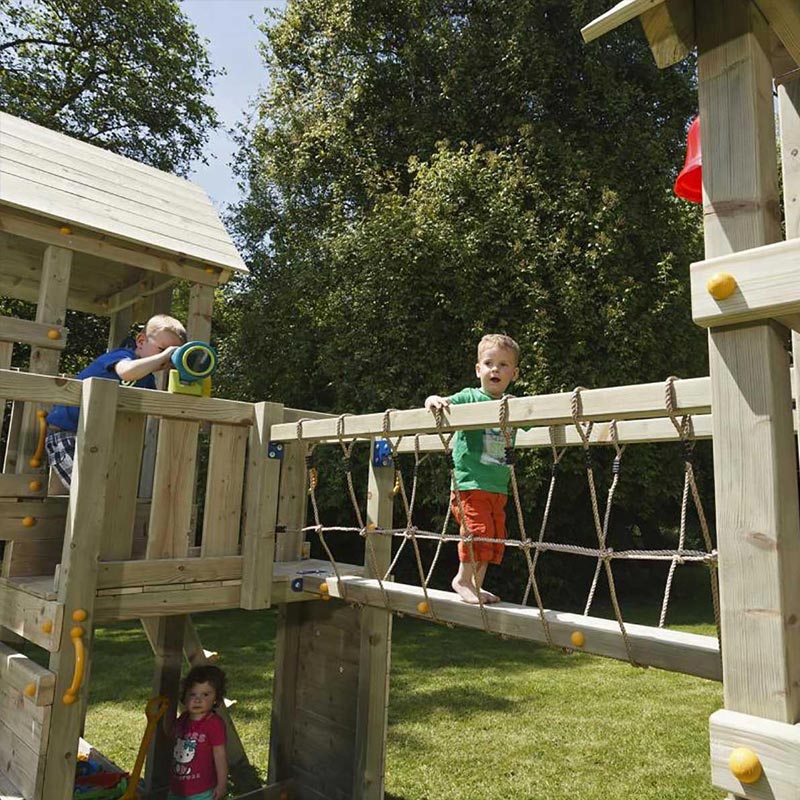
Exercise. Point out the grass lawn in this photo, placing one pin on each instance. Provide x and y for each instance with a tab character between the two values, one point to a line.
471	717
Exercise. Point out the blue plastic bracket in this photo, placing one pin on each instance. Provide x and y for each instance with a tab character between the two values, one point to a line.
381	453
275	450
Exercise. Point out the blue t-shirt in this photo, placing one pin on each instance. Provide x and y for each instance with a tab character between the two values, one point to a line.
66	417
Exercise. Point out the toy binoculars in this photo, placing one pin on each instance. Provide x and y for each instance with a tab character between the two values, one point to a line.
194	363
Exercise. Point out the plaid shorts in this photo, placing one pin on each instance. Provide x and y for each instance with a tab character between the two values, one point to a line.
60	447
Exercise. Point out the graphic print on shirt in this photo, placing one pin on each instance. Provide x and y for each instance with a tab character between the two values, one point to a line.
184	753
494	447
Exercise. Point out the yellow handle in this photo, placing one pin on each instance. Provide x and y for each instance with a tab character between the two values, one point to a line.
36	458
71	695
155	709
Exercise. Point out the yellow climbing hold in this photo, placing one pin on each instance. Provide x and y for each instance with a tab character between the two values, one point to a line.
721	285
422	607
323	587
744	765
577	639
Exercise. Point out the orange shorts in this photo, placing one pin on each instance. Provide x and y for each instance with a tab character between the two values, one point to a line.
485	517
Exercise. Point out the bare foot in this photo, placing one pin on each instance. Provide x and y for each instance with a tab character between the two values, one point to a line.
466	591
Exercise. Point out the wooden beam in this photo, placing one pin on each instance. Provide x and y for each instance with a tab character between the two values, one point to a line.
655	647
693	396
376	647
669	28
262	489
36	334
777	745
84	242
622	12
20	672
146	287
758	527
784	19
637	431
767	285
27	615
155	572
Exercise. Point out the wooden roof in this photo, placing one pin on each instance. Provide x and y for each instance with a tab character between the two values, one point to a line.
48	175
669	26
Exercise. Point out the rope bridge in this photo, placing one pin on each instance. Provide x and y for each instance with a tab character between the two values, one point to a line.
640	645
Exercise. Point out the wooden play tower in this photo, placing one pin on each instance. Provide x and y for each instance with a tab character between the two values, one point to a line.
87	230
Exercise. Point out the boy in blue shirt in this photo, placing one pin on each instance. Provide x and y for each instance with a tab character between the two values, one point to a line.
133	364
481	473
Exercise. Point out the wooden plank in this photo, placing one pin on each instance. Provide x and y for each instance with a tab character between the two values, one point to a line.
655	647
107	211
260	509
118	252
6	353
36	195
637	431
155	572
622	12
36	620
189	600
693	396
756	492
669	28
78	575
292	501
170	530
784	19
767	285
21	485
143	288
18	672
19	762
123	478
777	745
37	334
375	647
187	212
27	721
223	506
67	391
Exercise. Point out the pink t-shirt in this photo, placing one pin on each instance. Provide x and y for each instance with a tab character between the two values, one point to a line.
193	769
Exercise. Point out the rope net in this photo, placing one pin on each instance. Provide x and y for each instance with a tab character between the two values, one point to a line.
529	549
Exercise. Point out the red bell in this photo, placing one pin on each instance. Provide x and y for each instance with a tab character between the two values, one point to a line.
689	184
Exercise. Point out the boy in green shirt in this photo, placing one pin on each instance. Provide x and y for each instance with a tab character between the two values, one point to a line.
481	474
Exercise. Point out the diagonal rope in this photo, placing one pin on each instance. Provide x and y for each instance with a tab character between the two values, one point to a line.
584	429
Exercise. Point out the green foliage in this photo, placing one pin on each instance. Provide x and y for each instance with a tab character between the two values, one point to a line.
129	77
423	172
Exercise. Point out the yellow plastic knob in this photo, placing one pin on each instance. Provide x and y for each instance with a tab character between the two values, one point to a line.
210	270
35	486
28	522
79	615
721	285
47	626
68	699
744	765
30	690
323	587
577	639
422	607
53	334
65	229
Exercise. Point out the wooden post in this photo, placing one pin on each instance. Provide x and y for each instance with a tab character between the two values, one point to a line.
52	308
754	460
376	639
78	584
261	509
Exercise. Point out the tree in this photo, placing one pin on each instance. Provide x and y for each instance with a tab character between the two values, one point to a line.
129	77
425	171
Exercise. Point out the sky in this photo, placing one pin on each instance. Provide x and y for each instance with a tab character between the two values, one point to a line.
230	26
